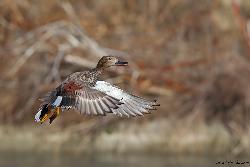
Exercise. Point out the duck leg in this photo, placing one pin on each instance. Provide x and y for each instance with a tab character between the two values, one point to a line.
55	114
45	117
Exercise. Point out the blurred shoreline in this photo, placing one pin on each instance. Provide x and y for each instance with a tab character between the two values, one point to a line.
154	137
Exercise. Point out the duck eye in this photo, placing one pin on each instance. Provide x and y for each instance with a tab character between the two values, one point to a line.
110	58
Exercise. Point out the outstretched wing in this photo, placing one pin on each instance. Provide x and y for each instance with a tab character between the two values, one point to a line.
98	100
93	102
83	98
131	105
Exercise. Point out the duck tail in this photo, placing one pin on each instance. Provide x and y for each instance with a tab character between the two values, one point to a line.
43	113
50	109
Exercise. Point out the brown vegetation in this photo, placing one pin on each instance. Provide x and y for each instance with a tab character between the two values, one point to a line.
192	55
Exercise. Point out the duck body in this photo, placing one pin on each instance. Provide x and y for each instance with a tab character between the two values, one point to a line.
83	92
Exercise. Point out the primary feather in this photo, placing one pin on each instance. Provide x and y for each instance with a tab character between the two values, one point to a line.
131	105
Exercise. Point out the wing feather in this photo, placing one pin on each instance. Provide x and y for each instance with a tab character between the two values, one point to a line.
98	100
130	105
94	102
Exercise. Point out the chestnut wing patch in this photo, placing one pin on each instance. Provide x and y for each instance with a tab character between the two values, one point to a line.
71	87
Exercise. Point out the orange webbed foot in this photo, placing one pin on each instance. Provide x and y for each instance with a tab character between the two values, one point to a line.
55	114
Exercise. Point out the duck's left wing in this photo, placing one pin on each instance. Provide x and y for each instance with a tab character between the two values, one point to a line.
131	105
81	97
93	102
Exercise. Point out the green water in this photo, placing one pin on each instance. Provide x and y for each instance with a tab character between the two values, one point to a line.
13	159
21	159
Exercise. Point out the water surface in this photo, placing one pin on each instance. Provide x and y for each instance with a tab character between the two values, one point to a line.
29	159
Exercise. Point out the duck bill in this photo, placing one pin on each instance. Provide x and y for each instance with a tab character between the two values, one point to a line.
121	63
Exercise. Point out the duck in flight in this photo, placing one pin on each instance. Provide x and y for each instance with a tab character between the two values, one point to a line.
84	93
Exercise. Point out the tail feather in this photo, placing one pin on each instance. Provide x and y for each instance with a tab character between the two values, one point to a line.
42	112
45	110
37	116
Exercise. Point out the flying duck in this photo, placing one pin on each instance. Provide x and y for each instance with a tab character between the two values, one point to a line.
83	92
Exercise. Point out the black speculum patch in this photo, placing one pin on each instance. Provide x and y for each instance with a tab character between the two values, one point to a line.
44	111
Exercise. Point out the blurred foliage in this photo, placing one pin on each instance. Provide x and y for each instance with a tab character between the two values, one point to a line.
193	54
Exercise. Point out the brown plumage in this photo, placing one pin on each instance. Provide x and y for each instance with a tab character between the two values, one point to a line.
83	92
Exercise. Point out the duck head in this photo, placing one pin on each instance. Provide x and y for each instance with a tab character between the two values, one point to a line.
108	61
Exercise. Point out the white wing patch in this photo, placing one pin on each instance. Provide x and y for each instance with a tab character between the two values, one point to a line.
132	105
109	89
58	101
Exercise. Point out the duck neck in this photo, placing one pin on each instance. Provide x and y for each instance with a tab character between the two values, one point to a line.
96	72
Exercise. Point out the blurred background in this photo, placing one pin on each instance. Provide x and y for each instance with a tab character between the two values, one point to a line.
193	56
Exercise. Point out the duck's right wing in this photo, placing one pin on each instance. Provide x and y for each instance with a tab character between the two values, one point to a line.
131	105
